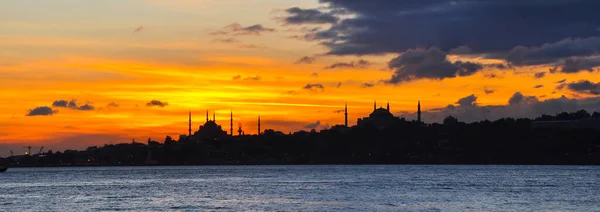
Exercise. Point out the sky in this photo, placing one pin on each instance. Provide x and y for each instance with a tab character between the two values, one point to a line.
83	73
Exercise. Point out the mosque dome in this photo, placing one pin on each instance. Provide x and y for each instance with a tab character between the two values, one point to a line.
381	112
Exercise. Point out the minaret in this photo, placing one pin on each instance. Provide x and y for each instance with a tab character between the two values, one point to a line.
374	105
231	124
240	129
214	119
419	111
206	115
190	124
346	114
258	125
388	106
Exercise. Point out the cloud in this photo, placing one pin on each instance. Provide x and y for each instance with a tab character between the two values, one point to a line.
339	84
308	16
339	111
561	81
539	75
291	93
314	87
584	86
352	64
313	125
306	60
112	105
86	107
520	106
367	85
314	74
226	40
538	86
238	29
574	65
237	77
72	105
60	103
428	64
158	103
519	98
482	26
138	29
255	78
41	111
551	53
488	91
467	101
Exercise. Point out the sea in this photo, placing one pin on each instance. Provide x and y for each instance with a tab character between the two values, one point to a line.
302	188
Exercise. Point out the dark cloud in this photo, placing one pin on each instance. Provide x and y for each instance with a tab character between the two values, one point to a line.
428	64
112	105
237	77
367	85
584	86
519	98
219	33
351	64
488	91
550	53
314	74
158	103
498	66
538	86
574	65
308	16
254	78
491	76
314	87
41	111
313	125
539	75
467	101
138	29
225	40
561	81
238	29
306	60
60	103
482	26
339	84
339	111
86	107
72	105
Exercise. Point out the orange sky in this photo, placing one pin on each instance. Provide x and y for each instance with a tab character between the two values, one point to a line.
53	52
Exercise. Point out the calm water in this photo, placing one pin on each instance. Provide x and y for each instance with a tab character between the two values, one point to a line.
302	188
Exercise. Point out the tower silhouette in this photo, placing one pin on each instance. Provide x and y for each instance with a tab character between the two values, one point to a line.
419	111
388	106
346	114
190	124
231	124
258	125
374	105
214	119
240	129
206	115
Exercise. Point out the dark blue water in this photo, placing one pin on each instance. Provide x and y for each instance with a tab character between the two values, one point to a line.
302	188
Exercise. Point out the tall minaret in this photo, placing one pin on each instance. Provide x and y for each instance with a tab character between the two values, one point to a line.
190	124
214	119
388	106
231	124
258	125
346	114
419	111
206	115
374	105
